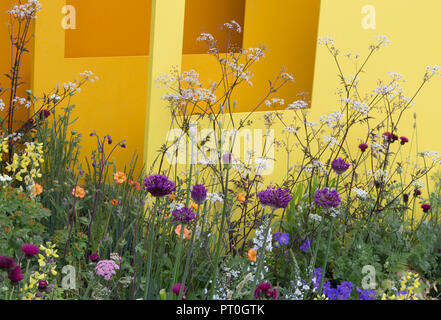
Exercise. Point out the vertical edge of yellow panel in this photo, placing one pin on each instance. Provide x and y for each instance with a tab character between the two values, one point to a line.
166	43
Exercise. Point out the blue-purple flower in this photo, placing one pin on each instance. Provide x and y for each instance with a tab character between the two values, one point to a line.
327	198
198	193
340	165
366	294
342	292
274	197
183	215
281	238
159	185
305	245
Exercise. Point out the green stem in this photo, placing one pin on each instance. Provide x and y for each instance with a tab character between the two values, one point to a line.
261	254
219	238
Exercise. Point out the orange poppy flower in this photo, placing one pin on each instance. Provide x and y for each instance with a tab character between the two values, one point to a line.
172	196
240	197
78	192
186	234
252	254
119	177
114	202
194	206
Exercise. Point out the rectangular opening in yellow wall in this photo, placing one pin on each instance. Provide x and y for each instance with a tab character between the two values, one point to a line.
209	16
104	28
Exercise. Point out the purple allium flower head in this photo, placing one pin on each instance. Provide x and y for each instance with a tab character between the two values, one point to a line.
42	285
15	275
159	185
106	268
109	139
94	257
340	165
198	193
327	198
226	158
177	288
426	207
264	289
274	197
404	140
305	245
30	250
363	147
366	294
281	238
183	215
122	145
6	263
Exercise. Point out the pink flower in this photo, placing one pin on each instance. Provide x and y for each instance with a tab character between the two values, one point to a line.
106	269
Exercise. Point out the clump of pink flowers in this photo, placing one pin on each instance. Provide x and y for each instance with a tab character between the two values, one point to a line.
106	269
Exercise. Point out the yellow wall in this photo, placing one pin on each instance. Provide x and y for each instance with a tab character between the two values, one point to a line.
116	103
108	29
113	105
410	27
5	62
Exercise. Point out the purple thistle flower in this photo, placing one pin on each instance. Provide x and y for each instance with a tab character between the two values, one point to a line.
305	245
363	147
177	288
198	193
159	185
426	207
406	197
42	285
6	263
183	215
94	257
281	238
263	289
404	140
327	198
30	250
274	197
340	165
15	276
